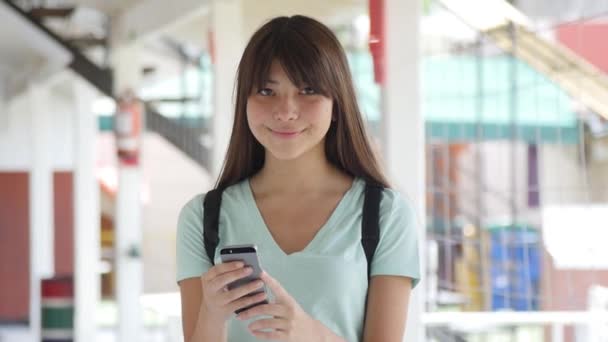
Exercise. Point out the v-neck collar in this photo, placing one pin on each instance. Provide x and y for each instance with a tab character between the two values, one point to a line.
258	220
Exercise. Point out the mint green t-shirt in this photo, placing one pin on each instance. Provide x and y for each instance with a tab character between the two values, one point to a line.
328	278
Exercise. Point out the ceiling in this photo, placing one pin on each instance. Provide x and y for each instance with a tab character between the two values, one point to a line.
109	7
31	56
93	17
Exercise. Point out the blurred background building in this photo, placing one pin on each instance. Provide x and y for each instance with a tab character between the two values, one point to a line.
491	115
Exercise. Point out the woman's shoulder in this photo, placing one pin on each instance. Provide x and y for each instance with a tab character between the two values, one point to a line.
395	201
193	207
391	201
390	195
195	204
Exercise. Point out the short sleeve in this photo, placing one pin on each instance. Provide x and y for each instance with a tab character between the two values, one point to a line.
397	250
192	260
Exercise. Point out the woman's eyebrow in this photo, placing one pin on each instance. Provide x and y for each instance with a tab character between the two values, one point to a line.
271	81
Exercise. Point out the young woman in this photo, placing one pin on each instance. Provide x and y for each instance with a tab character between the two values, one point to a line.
293	184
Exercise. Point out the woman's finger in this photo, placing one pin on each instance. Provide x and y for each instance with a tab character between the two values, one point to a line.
274	335
277	289
220	269
247	301
274	310
242	291
224	279
269	323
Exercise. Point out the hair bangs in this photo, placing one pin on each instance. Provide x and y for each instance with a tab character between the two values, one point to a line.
300	60
260	65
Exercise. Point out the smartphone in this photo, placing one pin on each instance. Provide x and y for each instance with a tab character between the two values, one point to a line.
247	254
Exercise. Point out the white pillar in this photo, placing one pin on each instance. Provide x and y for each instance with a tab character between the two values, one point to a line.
129	282
86	214
41	200
126	61
128	220
557	332
403	128
3	106
227	18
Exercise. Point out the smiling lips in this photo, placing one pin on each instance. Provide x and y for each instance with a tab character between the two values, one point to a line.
286	133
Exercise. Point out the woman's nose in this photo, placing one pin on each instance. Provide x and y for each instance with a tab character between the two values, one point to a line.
286	109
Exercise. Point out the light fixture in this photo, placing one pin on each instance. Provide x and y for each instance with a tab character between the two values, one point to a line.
104	106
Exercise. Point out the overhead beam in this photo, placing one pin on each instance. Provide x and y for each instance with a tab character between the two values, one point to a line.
99	77
41	12
87	41
45	57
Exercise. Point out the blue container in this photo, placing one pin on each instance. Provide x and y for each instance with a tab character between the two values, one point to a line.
515	268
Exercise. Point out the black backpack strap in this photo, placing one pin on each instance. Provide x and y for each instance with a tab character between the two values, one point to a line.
211	222
370	225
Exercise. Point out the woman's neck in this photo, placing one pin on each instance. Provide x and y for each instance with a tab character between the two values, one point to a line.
309	173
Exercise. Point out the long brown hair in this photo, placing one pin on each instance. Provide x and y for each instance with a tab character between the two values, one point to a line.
310	54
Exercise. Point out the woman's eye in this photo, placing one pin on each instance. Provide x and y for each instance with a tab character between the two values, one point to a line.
265	92
308	91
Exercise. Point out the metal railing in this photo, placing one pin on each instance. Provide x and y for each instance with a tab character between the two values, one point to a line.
189	140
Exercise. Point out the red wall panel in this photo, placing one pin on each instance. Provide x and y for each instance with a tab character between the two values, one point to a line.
14	239
14	246
567	290
589	40
64	223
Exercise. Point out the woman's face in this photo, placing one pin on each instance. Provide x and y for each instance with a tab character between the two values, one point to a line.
288	121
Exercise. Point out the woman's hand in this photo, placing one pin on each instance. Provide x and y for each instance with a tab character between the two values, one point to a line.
289	322
219	302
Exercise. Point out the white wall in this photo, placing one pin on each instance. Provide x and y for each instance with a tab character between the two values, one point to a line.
15	144
496	172
565	180
15	138
173	179
170	180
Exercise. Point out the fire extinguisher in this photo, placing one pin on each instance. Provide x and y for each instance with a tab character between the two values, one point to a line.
127	129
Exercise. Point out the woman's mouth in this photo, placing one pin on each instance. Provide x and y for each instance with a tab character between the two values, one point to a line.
286	134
